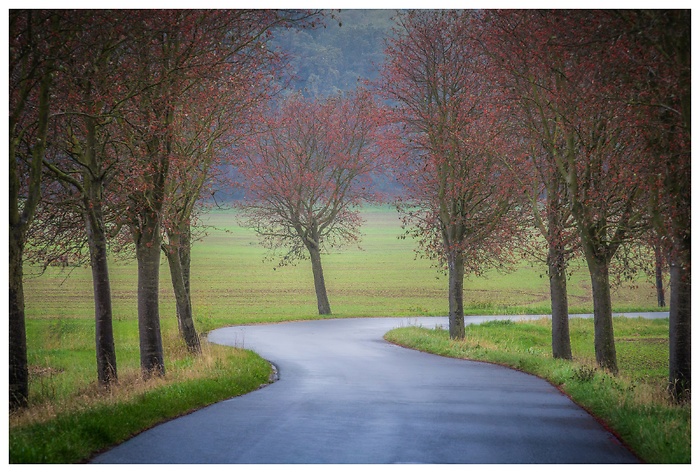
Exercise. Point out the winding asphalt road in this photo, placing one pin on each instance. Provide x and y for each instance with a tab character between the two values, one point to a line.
345	395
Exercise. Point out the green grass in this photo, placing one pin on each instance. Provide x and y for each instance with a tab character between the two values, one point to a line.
383	278
634	404
233	283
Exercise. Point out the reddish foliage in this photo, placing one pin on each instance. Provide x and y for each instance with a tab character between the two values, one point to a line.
568	72
580	80
445	123
308	169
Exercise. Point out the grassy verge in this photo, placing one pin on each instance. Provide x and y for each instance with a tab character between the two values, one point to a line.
633	405
94	421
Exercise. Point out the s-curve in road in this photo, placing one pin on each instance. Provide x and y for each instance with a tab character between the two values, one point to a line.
345	395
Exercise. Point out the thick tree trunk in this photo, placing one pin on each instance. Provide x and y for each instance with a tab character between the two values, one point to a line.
556	263
104	334
679	332
604	342
455	266
150	341
324	306
183	303
21	213
561	340
19	373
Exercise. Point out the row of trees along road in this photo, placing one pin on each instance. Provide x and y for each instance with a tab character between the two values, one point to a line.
116	120
574	124
578	122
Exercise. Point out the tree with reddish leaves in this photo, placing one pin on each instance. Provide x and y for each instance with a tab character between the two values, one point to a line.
660	54
306	173
213	119
150	63
179	52
544	194
533	140
459	203
214	113
35	43
85	158
570	71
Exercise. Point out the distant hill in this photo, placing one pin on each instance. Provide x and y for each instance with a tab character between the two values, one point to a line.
332	59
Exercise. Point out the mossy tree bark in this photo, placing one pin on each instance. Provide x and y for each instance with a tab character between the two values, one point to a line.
455	266
32	82
178	262
324	305
561	339
150	339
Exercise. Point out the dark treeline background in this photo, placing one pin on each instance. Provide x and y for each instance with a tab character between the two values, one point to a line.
336	57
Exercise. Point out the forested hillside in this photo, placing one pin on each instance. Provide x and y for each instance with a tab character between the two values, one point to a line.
327	60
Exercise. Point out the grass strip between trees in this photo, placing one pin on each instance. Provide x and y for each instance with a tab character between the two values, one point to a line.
75	436
633	405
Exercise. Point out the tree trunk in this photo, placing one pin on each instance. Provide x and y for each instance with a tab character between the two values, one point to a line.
602	315
185	256
104	334
183	303
150	341
324	306
679	332
19	374
455	265
21	213
97	242
660	297
561	340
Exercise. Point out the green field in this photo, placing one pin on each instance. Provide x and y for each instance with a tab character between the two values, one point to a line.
382	278
234	282
231	283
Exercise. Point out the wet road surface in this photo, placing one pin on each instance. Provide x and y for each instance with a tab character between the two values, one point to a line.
345	395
